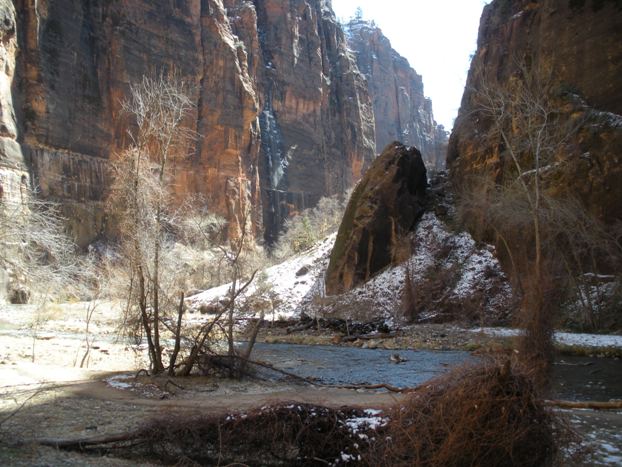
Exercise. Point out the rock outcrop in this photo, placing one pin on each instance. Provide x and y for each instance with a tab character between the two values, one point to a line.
573	50
383	208
283	114
401	110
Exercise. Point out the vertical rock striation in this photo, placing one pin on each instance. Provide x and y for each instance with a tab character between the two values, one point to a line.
282	114
401	110
13	169
316	117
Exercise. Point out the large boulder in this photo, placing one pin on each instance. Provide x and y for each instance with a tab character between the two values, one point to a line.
384	206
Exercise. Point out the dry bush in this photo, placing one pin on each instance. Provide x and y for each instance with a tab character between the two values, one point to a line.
488	414
35	250
296	434
428	299
479	415
580	254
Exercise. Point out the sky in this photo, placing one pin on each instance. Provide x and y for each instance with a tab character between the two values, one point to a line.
436	36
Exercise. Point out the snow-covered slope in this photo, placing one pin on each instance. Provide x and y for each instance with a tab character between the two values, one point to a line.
290	286
452	276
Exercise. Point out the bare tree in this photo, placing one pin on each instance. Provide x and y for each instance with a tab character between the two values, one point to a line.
140	195
527	132
38	255
547	239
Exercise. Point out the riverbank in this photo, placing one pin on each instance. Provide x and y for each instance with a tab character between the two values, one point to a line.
442	337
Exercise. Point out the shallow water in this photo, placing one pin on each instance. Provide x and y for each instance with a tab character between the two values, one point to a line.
574	378
587	378
352	365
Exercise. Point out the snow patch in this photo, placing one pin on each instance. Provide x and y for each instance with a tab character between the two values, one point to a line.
563	338
292	284
297	285
372	421
119	381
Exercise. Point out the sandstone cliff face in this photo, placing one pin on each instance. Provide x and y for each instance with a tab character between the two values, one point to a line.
76	61
316	117
13	170
575	48
283	114
401	110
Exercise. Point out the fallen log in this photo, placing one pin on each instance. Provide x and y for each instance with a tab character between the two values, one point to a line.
82	444
388	387
367	337
595	405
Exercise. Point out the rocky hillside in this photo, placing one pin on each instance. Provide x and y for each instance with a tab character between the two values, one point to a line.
572	51
401	110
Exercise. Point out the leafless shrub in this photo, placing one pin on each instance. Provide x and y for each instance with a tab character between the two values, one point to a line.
487	415
293	434
579	252
38	255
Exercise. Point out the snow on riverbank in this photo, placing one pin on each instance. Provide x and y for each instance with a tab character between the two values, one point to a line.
564	338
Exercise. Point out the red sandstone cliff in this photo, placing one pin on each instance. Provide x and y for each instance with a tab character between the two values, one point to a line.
283	115
401	110
574	48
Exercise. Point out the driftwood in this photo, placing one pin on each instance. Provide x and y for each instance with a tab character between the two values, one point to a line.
595	405
82	444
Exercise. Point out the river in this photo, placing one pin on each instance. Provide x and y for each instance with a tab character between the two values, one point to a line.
574	378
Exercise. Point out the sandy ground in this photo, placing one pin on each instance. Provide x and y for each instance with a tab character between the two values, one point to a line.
52	397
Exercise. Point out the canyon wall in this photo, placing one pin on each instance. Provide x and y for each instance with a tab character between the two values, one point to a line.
282	113
13	167
316	118
401	110
571	51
